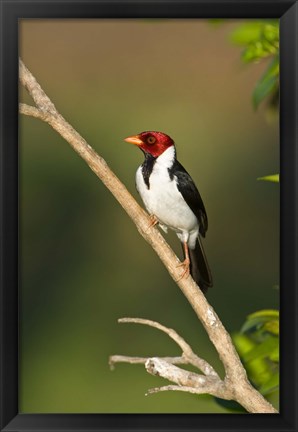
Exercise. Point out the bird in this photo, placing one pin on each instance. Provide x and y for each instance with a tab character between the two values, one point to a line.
173	201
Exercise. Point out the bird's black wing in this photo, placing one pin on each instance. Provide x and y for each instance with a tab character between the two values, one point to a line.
190	193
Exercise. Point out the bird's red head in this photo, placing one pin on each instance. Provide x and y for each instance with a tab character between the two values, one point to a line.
154	143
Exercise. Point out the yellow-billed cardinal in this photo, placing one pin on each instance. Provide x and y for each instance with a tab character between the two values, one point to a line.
173	201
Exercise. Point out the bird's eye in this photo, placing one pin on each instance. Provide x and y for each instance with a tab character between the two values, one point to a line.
151	140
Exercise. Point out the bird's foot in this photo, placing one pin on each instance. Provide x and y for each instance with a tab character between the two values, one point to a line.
153	221
185	266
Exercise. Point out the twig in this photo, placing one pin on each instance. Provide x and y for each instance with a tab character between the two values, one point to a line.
187	352
235	379
142	360
176	388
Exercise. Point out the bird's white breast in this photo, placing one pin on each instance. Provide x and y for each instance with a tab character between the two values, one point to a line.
163	198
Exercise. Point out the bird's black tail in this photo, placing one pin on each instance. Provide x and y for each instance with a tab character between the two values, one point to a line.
199	268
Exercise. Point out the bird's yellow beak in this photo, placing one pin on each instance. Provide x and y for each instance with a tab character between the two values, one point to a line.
134	139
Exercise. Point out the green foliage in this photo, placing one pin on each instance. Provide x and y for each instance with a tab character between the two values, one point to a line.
266	319
272	178
268	85
258	346
260	40
258	340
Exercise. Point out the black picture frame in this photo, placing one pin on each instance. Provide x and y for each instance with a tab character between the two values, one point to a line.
11	12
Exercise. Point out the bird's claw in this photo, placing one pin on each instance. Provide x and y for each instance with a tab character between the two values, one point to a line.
153	221
186	271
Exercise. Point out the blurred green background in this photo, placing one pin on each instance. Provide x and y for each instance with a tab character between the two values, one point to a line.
83	263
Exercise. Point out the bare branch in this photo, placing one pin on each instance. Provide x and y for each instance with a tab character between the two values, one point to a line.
176	388
42	101
235	379
187	352
142	360
32	111
211	385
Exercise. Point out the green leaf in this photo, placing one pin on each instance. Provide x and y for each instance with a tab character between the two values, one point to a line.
271	32
273	68
262	350
271	385
256	31
264	88
256	51
272	327
247	33
243	343
267	313
258	370
261	326
274	355
267	84
258	319
250	324
273	178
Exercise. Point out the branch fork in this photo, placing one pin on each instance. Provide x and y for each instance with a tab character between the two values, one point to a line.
206	382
